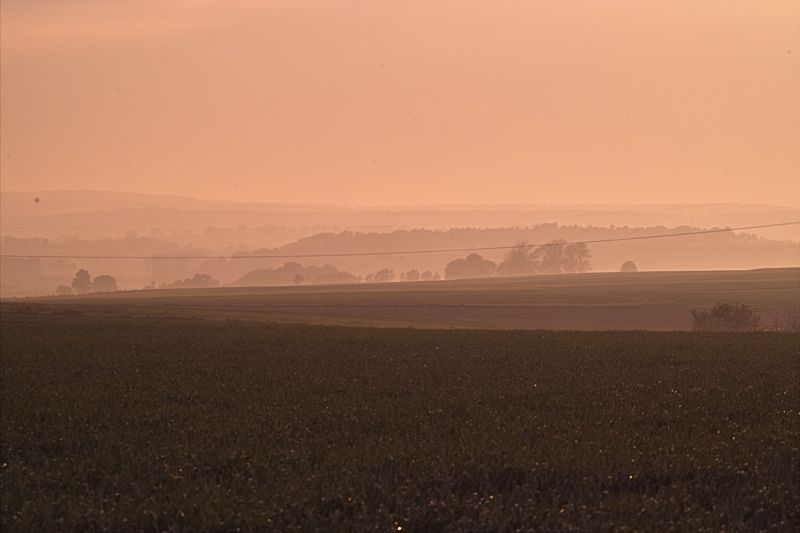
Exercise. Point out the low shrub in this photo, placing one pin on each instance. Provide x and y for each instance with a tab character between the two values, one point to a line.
726	317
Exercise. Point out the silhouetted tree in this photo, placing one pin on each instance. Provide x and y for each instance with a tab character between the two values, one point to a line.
428	276
386	274
298	279
517	261
411	275
576	257
628	266
473	266
549	258
104	283
82	282
204	280
557	256
64	290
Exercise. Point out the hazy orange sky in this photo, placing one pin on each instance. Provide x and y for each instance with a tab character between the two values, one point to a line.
404	102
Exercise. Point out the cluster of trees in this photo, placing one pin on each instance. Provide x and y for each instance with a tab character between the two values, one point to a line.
387	274
198	281
295	273
83	283
381	276
416	275
472	266
556	257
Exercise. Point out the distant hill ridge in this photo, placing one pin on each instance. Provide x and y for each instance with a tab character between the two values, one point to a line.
224	225
68	200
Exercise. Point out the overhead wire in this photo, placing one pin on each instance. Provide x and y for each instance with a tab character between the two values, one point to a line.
409	252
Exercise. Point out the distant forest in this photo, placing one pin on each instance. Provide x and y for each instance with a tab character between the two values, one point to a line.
712	251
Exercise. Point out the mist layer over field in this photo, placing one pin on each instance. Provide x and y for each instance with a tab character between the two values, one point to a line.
156	241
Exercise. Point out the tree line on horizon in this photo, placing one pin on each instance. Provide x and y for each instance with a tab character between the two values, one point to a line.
523	259
83	283
39	273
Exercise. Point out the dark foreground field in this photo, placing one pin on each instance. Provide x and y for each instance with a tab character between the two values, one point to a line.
127	424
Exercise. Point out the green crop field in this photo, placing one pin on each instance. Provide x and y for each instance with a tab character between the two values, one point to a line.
130	423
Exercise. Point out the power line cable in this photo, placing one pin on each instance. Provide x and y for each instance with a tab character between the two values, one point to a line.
405	252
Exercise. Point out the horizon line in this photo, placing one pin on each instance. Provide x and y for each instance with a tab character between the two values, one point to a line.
432	206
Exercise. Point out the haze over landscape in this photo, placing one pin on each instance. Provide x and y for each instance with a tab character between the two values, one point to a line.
390	103
399	266
262	125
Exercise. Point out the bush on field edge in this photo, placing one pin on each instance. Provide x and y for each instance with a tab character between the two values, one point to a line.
726	317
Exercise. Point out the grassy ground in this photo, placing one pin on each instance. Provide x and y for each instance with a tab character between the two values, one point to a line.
123	423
